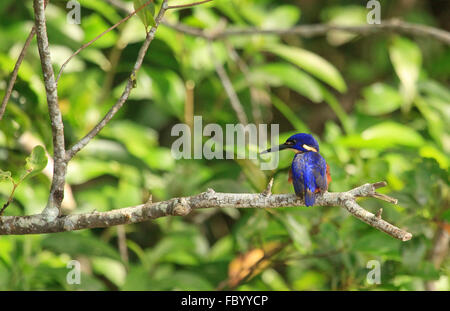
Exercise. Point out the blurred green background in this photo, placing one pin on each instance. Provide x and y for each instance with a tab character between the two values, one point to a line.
379	106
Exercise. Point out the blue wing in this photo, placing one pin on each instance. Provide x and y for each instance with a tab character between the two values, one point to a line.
309	175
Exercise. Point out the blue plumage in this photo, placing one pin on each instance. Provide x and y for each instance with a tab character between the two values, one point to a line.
309	171
309	175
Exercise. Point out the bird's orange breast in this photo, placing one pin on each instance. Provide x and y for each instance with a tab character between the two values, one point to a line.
328	174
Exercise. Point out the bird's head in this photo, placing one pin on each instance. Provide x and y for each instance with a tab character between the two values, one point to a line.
301	142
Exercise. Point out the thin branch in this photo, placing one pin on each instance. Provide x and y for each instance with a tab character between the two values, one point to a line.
438	253
441	243
228	86
15	72
255	100
123	20
268	190
113	58
10	198
59	170
35	224
308	31
122	243
123	98
184	6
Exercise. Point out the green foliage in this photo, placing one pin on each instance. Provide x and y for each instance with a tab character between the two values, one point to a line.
37	161
311	63
378	104
146	14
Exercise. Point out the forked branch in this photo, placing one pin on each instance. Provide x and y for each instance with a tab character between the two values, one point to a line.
35	224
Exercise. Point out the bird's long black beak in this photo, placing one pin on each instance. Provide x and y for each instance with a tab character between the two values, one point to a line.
277	148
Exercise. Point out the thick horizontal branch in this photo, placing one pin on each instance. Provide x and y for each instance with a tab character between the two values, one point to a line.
308	31
36	224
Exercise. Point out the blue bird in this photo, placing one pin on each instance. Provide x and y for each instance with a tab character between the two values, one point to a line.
309	172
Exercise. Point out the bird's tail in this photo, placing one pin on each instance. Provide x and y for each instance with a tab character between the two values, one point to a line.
310	198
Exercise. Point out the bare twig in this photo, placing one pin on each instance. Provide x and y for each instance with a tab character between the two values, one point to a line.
313	30
122	243
59	171
308	31
35	224
228	86
13	79
15	72
184	6
10	198
254	99
123	20
87	44
441	243
268	191
123	98
438	253
378	214
189	104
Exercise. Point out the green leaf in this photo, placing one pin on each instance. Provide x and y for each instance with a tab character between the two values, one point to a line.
283	16
427	271
185	280
222	249
377	243
168	91
274	280
37	161
112	269
146	14
95	24
406	58
343	15
435	89
334	104
4	175
287	112
298	232
102	8
254	174
446	216
383	135
379	99
75	244
309	280
391	133
435	121
281	74
312	63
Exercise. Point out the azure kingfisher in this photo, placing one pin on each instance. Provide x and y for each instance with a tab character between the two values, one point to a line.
309	172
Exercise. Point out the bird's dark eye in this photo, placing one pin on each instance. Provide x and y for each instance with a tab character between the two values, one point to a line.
290	142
